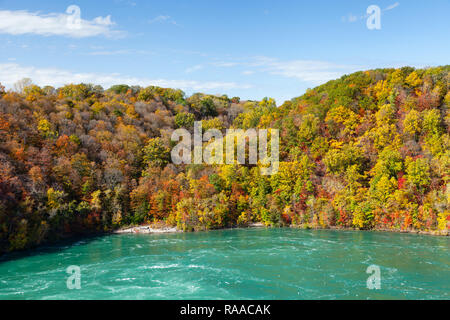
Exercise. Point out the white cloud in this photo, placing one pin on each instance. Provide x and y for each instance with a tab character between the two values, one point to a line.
119	52
312	71
68	24
126	2
194	68
161	19
12	72
223	64
392	6
109	53
218	64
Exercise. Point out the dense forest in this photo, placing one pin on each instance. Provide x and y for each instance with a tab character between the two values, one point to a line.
367	151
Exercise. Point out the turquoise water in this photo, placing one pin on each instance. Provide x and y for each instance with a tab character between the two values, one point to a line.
235	264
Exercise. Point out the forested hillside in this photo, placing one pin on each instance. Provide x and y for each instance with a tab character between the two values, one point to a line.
367	151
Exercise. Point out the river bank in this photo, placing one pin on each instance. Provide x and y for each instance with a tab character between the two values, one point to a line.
163	229
441	233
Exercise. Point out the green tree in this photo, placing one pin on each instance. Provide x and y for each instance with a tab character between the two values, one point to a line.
413	124
309	129
184	120
156	153
418	172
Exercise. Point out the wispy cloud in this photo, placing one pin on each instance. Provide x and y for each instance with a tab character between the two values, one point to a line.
217	64
392	6
194	68
311	71
109	53
126	2
119	52
223	64
68	24
12	72
305	70
163	19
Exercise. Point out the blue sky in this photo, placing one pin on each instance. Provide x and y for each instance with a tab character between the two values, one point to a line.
250	49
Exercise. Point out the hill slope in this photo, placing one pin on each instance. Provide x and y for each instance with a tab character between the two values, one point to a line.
370	151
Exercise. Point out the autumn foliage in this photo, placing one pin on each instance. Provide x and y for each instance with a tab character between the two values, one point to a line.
367	151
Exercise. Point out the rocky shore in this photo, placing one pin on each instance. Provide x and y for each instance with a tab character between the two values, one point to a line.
161	229
151	229
148	230
443	233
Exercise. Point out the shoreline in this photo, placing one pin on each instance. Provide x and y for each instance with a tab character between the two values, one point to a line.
443	233
158	229
162	229
154	229
147	230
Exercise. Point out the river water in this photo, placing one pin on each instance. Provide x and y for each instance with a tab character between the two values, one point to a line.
234	264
